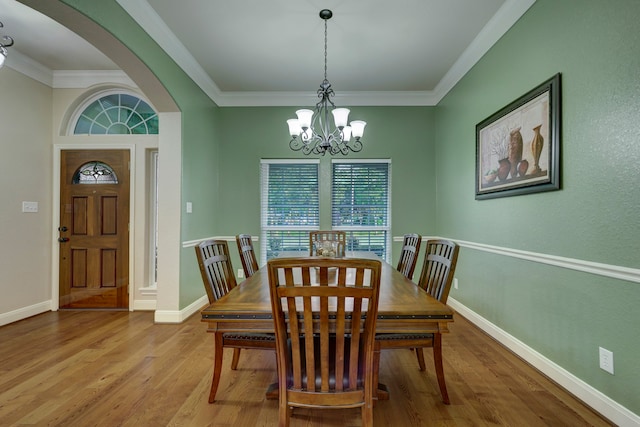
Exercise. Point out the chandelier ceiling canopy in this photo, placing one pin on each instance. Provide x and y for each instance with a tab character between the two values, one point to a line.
5	42
312	131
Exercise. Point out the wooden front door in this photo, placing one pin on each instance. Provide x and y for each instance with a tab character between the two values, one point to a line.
94	229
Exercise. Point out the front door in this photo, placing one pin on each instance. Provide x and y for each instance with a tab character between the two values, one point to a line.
94	229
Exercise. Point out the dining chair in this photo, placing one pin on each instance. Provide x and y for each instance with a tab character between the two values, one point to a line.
320	240
325	310
218	278
247	254
409	254
440	259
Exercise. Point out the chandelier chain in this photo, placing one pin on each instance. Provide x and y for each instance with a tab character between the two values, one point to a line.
325	49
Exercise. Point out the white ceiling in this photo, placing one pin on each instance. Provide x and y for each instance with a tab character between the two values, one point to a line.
257	52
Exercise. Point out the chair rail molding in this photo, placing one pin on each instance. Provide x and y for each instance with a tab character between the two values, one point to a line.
192	243
601	269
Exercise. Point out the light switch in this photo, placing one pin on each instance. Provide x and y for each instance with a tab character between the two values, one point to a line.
30	207
189	207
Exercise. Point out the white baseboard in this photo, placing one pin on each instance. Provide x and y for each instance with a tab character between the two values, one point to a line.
606	406
144	305
24	312
178	316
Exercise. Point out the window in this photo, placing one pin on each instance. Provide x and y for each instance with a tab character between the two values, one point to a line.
290	206
117	114
95	173
360	204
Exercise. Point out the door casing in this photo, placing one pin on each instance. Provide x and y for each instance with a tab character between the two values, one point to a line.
55	248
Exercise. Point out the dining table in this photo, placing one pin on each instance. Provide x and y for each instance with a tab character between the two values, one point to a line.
403	307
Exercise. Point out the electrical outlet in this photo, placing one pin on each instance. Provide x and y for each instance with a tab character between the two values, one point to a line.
606	360
455	283
240	273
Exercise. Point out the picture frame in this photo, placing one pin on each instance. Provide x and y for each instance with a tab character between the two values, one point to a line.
518	147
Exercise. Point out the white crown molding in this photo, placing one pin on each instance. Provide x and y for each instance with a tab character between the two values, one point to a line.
72	79
30	68
153	25
64	79
499	24
291	99
601	403
148	19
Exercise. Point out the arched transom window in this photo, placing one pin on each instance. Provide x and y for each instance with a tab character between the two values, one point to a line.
117	114
95	173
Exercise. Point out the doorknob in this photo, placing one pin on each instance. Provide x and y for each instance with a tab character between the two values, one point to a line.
63	239
63	228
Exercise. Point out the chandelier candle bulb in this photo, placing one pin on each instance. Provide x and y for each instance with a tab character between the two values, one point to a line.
304	118
294	127
341	117
357	128
346	133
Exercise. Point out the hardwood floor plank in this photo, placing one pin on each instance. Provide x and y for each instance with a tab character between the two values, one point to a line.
82	368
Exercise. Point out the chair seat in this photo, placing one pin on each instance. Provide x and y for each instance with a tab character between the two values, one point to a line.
398	337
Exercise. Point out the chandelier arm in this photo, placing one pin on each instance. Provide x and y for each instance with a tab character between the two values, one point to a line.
355	146
7	41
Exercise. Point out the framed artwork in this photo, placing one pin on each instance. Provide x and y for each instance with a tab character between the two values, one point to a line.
518	147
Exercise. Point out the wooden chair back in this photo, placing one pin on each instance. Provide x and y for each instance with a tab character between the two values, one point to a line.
318	238
325	332
247	254
215	267
440	260
409	254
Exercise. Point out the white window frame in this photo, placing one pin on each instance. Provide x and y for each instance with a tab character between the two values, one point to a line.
387	228
264	228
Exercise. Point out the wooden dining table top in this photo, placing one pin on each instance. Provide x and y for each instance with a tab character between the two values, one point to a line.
403	307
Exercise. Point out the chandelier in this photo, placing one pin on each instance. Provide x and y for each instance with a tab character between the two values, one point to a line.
5	42
312	131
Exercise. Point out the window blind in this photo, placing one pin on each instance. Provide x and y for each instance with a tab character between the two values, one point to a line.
290	206
361	205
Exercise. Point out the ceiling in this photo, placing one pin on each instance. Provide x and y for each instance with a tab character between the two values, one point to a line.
254	52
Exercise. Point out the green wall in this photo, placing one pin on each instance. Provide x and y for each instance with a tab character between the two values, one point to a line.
199	132
403	134
200	185
563	314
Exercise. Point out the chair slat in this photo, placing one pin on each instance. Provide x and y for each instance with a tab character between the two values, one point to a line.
440	261
409	254
322	362
247	254
219	279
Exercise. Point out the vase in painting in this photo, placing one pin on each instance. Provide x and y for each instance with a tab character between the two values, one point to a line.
504	169
522	168
536	149
515	151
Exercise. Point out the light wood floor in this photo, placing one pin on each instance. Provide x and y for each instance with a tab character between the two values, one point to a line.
81	368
